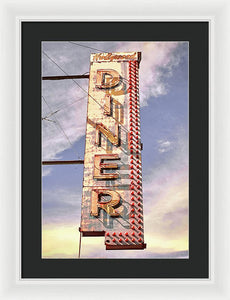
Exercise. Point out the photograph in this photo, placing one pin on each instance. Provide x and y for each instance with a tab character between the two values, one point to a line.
115	149
115	158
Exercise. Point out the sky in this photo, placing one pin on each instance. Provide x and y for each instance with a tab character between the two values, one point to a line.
164	134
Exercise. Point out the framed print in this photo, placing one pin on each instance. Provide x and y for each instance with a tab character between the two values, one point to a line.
24	272
133	79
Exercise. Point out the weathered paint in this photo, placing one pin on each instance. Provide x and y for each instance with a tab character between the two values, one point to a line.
112	203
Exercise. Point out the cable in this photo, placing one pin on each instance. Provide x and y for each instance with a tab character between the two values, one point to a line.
104	51
63	106
48	120
50	114
88	47
125	129
58	123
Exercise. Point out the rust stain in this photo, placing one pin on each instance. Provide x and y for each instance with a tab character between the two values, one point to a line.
112	190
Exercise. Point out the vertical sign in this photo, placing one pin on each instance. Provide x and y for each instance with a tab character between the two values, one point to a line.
112	203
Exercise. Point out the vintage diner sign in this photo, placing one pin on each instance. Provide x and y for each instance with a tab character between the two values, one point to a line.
112	202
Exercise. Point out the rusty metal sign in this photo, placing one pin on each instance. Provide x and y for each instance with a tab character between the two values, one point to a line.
112	202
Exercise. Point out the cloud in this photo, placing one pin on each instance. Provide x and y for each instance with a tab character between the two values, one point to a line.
166	206
164	146
167	217
69	121
92	251
174	160
166	197
60	241
157	64
61	206
46	171
165	182
68	124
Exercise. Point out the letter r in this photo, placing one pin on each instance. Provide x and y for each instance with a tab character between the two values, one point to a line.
106	206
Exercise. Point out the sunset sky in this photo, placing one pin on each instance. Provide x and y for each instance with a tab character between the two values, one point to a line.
164	134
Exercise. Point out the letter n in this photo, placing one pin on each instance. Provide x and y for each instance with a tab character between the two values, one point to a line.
102	129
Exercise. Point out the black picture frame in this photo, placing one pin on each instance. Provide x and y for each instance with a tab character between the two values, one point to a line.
197	34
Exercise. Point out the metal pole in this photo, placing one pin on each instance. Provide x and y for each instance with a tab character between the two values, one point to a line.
63	162
65	77
79	250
